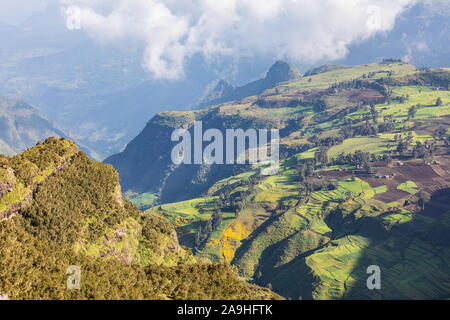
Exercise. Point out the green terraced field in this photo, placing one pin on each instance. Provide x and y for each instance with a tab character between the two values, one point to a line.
408	186
425	96
316	239
397	217
377	145
381	189
144	200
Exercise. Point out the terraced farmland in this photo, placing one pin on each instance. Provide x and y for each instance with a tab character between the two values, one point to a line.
363	181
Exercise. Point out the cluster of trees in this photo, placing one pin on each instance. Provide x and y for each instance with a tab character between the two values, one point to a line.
305	170
366	129
370	127
35	269
424	150
320	105
412	111
441	134
357	159
402	98
321	156
84	191
376	85
327	142
391	60
403	143
235	201
388	124
373	113
438	78
373	74
208	227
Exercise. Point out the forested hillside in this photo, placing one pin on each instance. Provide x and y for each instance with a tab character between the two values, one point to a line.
59	208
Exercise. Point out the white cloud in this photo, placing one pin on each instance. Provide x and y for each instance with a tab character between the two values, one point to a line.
298	30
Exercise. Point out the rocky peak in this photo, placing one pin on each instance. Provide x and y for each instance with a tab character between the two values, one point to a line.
222	90
224	85
282	71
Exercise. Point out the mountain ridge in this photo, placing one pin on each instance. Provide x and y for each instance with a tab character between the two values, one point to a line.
363	180
279	72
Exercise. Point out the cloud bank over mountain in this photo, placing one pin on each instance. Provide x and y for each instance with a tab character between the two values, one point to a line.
172	32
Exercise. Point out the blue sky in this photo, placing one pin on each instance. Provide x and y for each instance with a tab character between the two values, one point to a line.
16	11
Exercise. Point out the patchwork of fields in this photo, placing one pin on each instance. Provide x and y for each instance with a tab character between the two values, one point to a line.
313	235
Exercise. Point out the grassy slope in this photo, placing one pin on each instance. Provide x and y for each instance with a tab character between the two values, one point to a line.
319	249
323	80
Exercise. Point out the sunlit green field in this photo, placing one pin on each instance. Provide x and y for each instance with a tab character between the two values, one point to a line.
367	144
332	228
324	80
425	96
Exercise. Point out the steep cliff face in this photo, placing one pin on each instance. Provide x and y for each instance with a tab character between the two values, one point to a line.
146	166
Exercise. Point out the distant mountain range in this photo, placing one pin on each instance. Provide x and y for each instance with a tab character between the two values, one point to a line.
101	95
22	126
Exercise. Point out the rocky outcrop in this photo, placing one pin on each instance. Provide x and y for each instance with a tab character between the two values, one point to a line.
281	72
118	195
14	208
7	180
118	245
